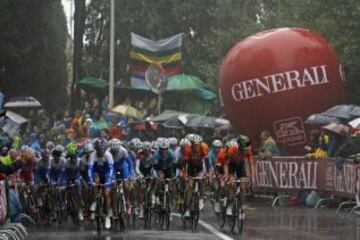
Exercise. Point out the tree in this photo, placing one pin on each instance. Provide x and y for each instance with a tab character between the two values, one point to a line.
32	44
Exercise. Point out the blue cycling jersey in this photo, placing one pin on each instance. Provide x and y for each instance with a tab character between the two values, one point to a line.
165	160
101	166
57	168
123	164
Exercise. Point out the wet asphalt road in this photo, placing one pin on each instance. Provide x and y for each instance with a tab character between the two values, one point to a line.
261	222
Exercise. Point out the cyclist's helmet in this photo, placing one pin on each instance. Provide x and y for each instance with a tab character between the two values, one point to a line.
89	147
232	143
155	145
138	145
100	144
164	143
71	149
45	154
114	144
184	142
173	141
58	150
243	141
190	136
217	143
197	139
49	145
146	145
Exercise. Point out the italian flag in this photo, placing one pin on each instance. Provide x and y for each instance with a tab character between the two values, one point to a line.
165	53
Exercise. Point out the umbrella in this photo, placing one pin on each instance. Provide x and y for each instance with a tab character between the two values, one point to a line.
22	102
91	82
205	94
111	116
201	122
319	118
173	123
342	111
16	117
126	110
337	128
165	115
185	82
355	123
100	125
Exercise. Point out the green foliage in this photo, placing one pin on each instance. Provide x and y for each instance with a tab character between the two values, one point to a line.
219	24
32	44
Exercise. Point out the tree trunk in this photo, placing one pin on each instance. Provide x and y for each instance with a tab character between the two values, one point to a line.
79	26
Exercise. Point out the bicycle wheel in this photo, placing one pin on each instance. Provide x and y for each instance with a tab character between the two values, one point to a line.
98	216
240	218
221	216
73	210
233	217
167	212
133	217
195	213
121	217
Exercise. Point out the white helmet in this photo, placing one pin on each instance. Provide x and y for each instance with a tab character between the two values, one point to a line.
217	143
190	136
146	145
232	143
89	147
155	145
197	139
114	144
137	145
173	141
184	142
164	143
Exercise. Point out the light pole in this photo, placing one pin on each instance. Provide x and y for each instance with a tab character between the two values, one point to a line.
112	36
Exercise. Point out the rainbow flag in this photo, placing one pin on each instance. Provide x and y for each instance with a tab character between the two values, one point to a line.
165	53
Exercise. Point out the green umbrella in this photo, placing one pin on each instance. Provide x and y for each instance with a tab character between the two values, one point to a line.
205	94
91	82
185	82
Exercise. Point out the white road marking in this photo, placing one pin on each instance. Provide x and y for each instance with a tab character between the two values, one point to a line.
209	228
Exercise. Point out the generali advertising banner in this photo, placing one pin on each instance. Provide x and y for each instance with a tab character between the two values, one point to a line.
298	173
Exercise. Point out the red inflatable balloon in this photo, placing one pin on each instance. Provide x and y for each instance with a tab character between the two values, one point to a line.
275	79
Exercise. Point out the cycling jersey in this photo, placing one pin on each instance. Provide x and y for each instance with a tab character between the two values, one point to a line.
123	164
102	166
57	168
72	171
85	167
236	160
164	162
194	158
42	171
145	162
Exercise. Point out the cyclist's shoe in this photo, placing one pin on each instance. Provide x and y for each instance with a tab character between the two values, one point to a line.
171	217
217	207
201	203
81	216
92	216
229	210
187	213
141	213
107	223
93	207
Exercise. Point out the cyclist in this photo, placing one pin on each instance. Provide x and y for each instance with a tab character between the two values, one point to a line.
145	160
42	168
72	174
194	157
238	151
101	171
176	149
57	164
122	163
164	159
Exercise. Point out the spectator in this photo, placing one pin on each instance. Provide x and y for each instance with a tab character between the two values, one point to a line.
321	150
142	110
67	119
76	122
86	127
268	146
95	110
152	109
116	131
105	104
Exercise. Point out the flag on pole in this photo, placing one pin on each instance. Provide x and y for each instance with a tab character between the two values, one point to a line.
165	53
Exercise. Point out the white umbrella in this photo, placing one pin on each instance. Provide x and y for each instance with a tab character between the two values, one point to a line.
18	102
355	123
16	117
